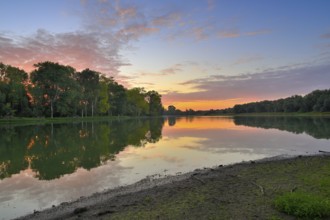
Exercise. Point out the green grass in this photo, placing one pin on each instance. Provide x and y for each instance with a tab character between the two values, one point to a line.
312	198
304	205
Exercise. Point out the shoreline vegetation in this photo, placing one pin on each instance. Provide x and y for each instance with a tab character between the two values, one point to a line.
272	188
47	120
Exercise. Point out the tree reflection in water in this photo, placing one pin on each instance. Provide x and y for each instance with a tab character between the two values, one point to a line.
57	149
317	127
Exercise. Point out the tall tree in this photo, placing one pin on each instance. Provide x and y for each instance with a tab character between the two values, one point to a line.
13	96
103	103
89	81
52	85
137	103
117	98
155	103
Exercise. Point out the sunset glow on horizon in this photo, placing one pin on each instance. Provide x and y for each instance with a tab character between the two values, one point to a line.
200	55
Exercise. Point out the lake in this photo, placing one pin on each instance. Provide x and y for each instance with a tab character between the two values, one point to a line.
45	165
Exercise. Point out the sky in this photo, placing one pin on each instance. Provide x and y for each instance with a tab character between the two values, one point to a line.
199	54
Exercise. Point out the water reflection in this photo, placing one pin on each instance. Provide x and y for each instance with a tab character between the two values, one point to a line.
51	151
317	127
45	165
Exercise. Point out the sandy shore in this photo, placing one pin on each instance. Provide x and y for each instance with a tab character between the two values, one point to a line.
212	187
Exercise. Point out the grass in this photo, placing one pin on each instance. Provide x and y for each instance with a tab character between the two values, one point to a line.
304	205
298	188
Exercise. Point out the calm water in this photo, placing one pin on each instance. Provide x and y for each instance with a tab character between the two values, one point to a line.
45	165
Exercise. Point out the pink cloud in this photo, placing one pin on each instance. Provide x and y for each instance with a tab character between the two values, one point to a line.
78	49
135	31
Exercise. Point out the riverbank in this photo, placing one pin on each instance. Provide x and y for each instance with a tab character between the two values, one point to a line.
59	120
251	190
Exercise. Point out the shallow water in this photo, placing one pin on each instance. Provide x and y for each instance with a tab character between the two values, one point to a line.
45	165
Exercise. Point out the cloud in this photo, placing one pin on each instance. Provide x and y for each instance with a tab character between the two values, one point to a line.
108	28
325	36
135	31
172	70
79	49
229	34
236	33
267	84
164	72
168	19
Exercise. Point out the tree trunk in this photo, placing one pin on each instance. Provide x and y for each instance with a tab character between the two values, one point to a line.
51	109
92	109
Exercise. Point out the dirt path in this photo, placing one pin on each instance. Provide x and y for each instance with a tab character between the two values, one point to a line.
241	191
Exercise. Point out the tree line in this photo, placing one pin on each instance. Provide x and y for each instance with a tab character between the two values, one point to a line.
316	101
55	90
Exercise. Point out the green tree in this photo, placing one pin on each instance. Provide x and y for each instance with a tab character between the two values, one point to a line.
89	81
117	98
171	110
13	94
53	87
104	105
137	103
155	103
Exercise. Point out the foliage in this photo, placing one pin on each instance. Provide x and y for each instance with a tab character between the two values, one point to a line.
318	101
303	205
55	90
13	97
137	104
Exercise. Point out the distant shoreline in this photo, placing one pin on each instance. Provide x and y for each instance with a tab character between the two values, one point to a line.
47	120
240	189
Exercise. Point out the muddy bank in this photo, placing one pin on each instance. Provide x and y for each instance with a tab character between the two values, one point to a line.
240	191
